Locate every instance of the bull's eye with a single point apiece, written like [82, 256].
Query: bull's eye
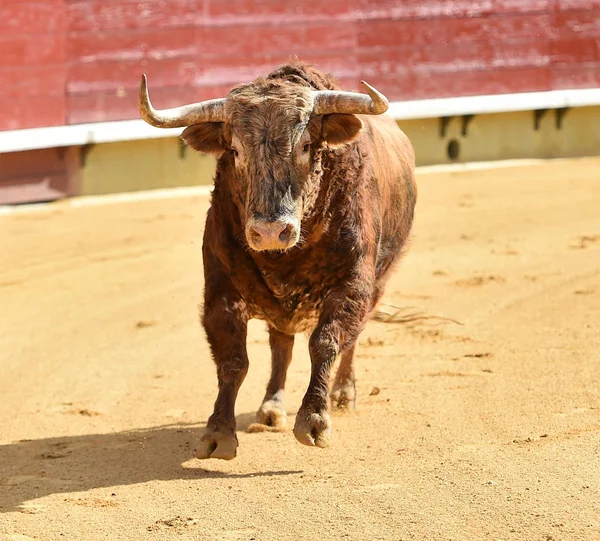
[306, 147]
[235, 152]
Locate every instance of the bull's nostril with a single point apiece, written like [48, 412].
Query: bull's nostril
[255, 236]
[286, 234]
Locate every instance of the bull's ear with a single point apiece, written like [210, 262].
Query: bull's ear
[338, 129]
[206, 137]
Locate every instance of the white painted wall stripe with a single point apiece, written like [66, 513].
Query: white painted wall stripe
[501, 103]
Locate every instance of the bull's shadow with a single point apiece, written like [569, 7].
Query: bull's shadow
[32, 469]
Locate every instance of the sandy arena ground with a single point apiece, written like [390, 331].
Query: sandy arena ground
[485, 430]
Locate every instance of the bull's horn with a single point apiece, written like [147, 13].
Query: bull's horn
[335, 101]
[180, 117]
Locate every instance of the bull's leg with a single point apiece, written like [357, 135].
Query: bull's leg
[272, 411]
[343, 394]
[225, 321]
[342, 320]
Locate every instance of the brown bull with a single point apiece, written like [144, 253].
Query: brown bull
[313, 201]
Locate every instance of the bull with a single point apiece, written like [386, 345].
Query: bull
[313, 202]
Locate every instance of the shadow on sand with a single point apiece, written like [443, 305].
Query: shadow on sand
[31, 469]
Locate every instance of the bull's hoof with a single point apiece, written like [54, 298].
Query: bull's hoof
[313, 429]
[343, 396]
[215, 444]
[272, 413]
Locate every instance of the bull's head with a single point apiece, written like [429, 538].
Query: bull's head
[271, 134]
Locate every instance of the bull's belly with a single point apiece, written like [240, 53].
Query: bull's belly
[303, 319]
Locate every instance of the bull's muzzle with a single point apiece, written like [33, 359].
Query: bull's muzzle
[278, 235]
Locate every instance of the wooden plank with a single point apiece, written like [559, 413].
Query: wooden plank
[55, 4]
[279, 12]
[294, 38]
[22, 50]
[575, 50]
[576, 47]
[577, 22]
[32, 81]
[36, 17]
[24, 112]
[490, 81]
[212, 41]
[241, 40]
[564, 5]
[130, 44]
[423, 84]
[448, 31]
[456, 57]
[432, 9]
[93, 15]
[117, 76]
[234, 70]
[582, 75]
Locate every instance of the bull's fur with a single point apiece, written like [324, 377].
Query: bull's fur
[355, 198]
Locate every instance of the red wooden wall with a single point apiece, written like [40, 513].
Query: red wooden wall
[72, 61]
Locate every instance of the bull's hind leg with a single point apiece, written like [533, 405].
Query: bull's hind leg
[272, 411]
[343, 393]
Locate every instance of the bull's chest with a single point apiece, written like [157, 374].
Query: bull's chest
[300, 290]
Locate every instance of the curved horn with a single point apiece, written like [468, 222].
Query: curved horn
[336, 101]
[180, 117]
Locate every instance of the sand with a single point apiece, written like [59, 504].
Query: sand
[485, 427]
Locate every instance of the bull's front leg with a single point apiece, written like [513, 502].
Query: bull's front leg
[225, 321]
[272, 411]
[342, 320]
